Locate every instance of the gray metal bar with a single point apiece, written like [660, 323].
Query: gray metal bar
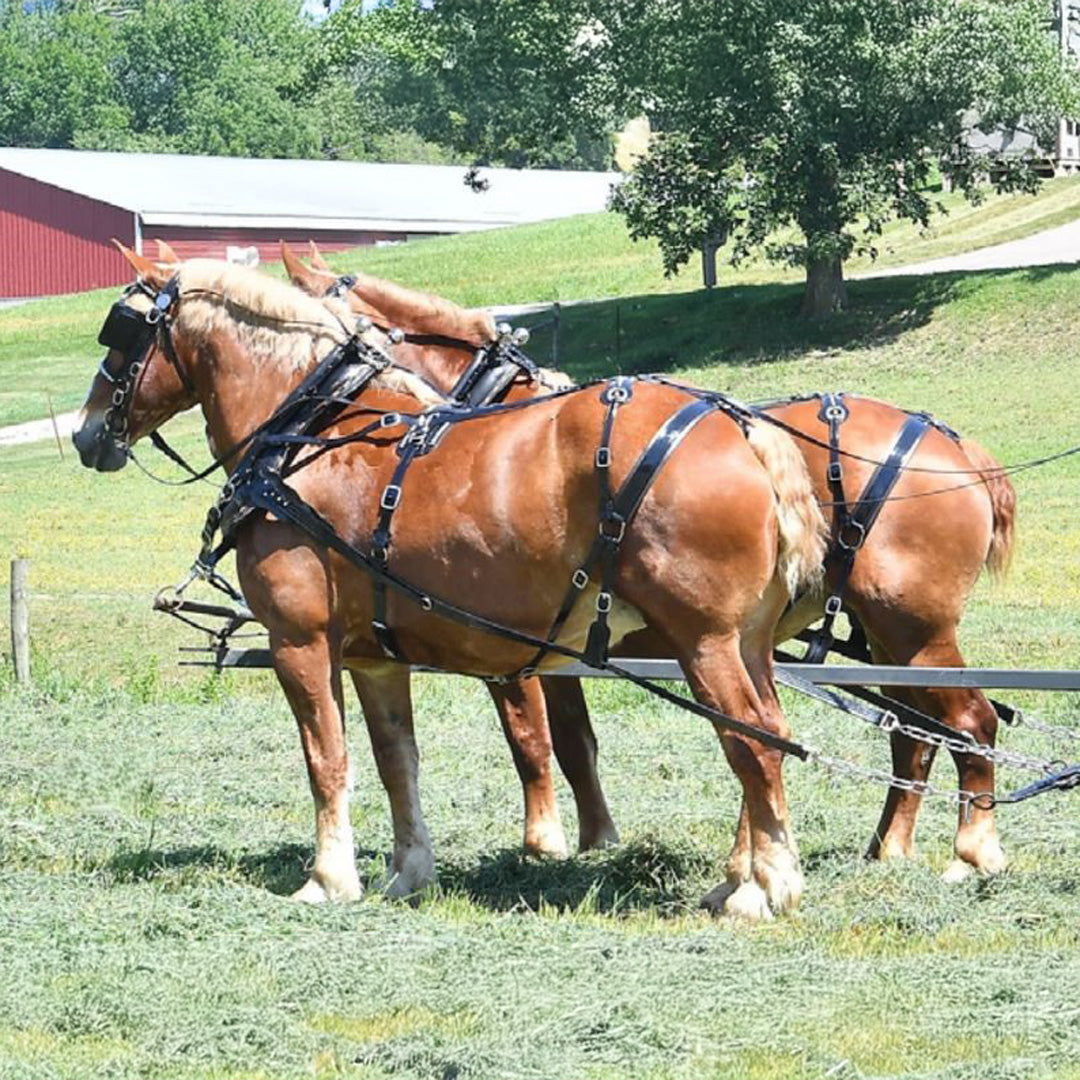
[819, 674]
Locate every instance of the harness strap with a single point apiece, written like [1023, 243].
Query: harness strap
[616, 513]
[612, 525]
[854, 525]
[408, 449]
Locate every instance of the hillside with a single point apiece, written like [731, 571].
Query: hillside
[48, 347]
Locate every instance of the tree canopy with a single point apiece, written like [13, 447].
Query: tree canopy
[811, 120]
[235, 77]
[828, 116]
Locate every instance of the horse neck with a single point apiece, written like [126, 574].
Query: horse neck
[236, 391]
[441, 365]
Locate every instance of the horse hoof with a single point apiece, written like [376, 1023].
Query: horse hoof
[414, 871]
[598, 839]
[957, 871]
[547, 841]
[746, 901]
[313, 892]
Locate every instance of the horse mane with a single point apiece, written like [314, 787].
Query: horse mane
[418, 312]
[278, 325]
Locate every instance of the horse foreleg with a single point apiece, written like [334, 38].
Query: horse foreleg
[525, 724]
[575, 748]
[774, 882]
[312, 684]
[387, 703]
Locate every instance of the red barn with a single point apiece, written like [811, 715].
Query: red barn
[59, 209]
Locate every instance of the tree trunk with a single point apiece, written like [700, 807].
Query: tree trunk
[825, 291]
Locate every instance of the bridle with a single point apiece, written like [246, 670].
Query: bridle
[133, 333]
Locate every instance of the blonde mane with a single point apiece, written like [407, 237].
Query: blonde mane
[276, 324]
[418, 312]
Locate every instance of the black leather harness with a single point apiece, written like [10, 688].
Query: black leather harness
[259, 485]
[852, 522]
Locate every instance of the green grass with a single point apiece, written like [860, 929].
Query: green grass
[152, 818]
[146, 848]
[48, 348]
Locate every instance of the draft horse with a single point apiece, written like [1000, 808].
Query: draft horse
[950, 513]
[496, 520]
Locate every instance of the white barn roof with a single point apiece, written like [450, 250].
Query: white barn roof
[174, 189]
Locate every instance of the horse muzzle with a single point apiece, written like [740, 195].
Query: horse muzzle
[97, 447]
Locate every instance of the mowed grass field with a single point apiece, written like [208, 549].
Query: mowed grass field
[152, 819]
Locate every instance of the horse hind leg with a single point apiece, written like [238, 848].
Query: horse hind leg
[976, 844]
[387, 703]
[523, 714]
[312, 684]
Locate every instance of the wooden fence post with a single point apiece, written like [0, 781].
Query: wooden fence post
[20, 620]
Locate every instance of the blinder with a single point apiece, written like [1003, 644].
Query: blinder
[131, 333]
[124, 327]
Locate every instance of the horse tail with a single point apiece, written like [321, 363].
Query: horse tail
[1002, 500]
[802, 525]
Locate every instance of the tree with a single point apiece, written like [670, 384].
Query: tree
[826, 116]
[518, 86]
[56, 76]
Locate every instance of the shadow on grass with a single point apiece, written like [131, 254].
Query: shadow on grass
[281, 870]
[744, 324]
[644, 875]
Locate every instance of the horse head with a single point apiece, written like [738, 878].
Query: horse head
[140, 382]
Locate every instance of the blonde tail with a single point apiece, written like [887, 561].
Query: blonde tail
[1002, 500]
[802, 525]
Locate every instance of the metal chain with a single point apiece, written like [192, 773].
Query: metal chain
[1053, 731]
[963, 746]
[843, 767]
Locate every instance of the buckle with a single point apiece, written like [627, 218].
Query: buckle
[859, 530]
[580, 579]
[390, 419]
[616, 394]
[426, 604]
[391, 496]
[834, 605]
[603, 602]
[836, 412]
[613, 537]
[603, 457]
[836, 472]
[378, 553]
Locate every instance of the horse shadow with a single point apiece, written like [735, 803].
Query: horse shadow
[280, 870]
[647, 874]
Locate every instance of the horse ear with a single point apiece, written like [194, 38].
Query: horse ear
[311, 281]
[165, 253]
[145, 268]
[315, 255]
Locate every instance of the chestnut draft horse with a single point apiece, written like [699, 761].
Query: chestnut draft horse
[907, 588]
[495, 520]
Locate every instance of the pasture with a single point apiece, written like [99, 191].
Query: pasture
[152, 817]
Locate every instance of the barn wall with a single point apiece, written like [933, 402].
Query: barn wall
[192, 242]
[53, 241]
